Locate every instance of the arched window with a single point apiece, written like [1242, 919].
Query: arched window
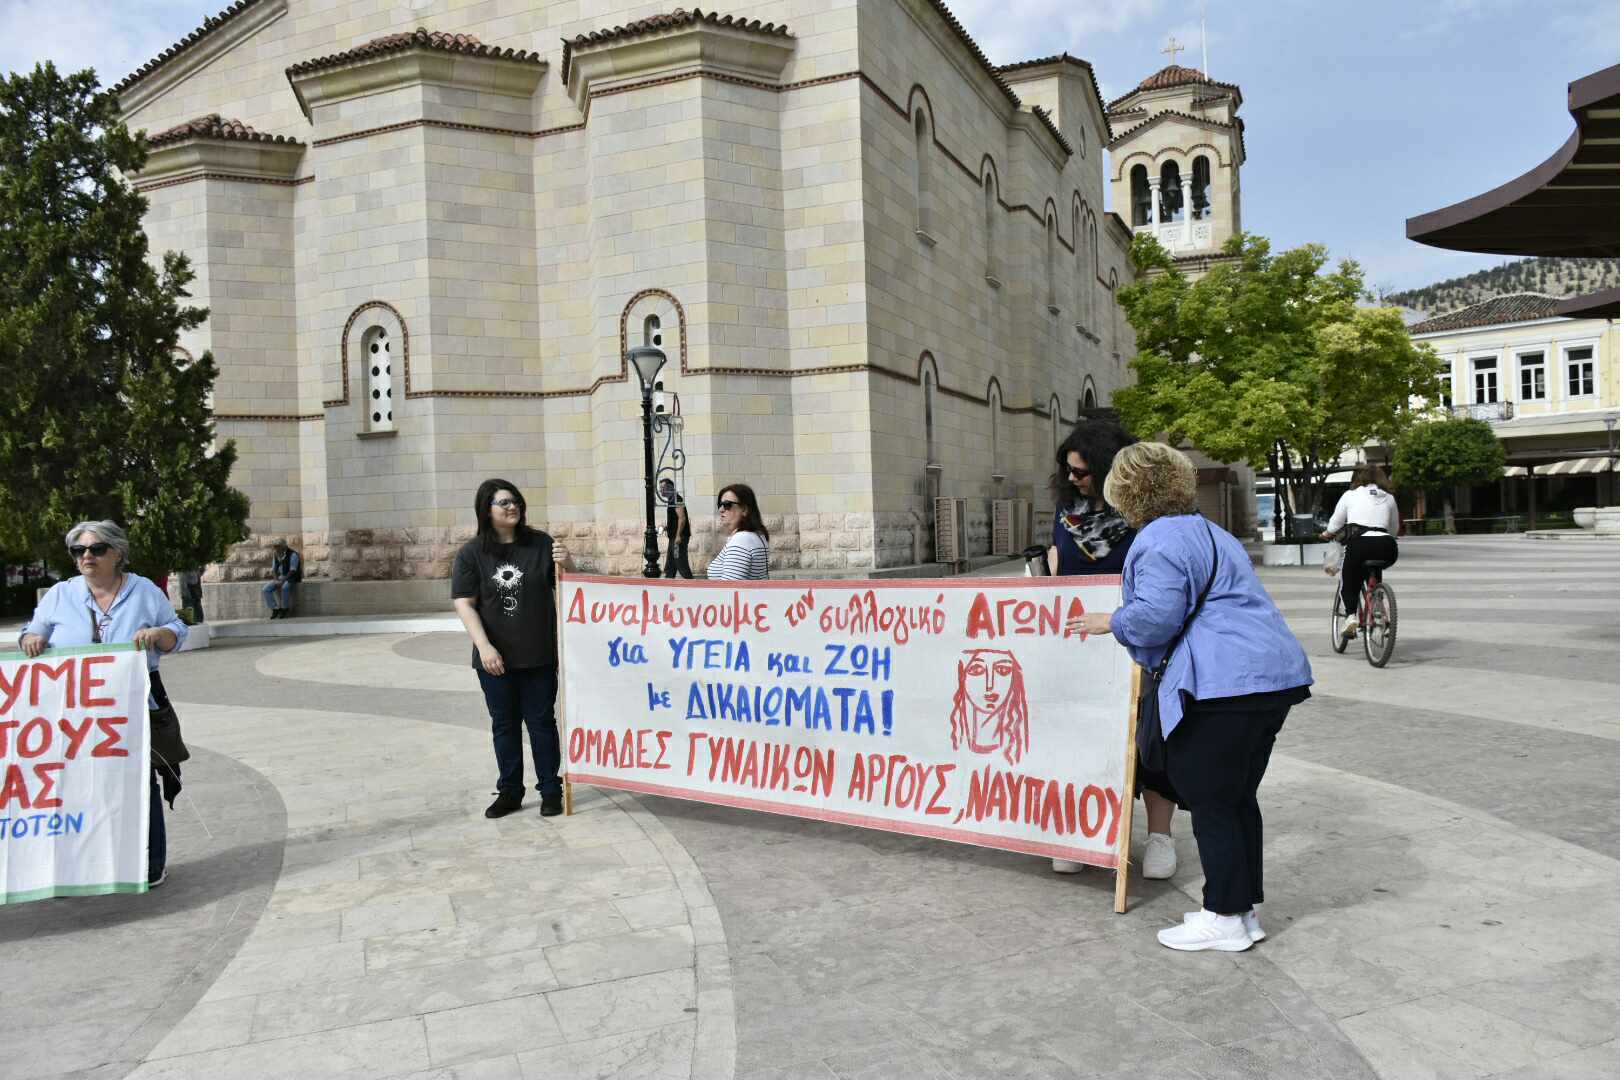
[1088, 400]
[1095, 271]
[1141, 197]
[928, 415]
[1051, 263]
[1081, 316]
[378, 351]
[996, 472]
[652, 331]
[1055, 408]
[1170, 208]
[1200, 188]
[921, 172]
[992, 232]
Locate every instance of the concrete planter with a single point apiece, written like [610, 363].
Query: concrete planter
[1585, 517]
[200, 637]
[1293, 554]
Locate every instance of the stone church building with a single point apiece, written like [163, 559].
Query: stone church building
[428, 231]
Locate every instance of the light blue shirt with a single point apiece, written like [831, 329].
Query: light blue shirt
[64, 616]
[1238, 644]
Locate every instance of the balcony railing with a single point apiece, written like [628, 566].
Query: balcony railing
[1490, 410]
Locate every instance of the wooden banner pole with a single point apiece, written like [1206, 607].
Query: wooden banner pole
[562, 703]
[1127, 798]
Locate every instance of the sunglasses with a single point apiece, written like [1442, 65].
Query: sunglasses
[1079, 474]
[727, 504]
[505, 504]
[98, 550]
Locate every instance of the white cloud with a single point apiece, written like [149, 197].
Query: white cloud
[1013, 30]
[112, 36]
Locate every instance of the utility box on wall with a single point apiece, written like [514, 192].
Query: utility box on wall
[1009, 526]
[950, 530]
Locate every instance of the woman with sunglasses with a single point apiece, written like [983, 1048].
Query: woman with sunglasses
[108, 604]
[1090, 537]
[503, 587]
[747, 554]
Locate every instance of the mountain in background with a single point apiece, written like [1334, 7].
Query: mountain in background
[1553, 277]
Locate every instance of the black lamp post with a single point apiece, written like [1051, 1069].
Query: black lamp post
[648, 361]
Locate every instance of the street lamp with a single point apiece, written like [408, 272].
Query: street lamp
[648, 361]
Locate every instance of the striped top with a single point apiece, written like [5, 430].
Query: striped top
[744, 558]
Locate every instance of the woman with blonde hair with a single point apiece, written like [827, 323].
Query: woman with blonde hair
[1231, 670]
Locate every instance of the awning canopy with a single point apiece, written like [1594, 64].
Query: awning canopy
[1569, 205]
[1588, 466]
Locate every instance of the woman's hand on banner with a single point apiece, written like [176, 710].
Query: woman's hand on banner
[1092, 622]
[490, 657]
[157, 638]
[33, 645]
[562, 557]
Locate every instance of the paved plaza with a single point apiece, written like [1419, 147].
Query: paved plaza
[1443, 883]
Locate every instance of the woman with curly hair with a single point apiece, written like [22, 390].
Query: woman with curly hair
[1235, 671]
[1091, 537]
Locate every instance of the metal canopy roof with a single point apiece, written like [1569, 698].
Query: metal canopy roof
[1569, 205]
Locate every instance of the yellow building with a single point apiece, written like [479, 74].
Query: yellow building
[1548, 386]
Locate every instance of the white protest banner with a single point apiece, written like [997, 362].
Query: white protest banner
[960, 709]
[74, 772]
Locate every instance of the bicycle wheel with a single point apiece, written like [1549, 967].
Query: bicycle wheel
[1378, 633]
[1340, 642]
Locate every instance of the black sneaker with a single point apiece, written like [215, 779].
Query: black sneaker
[162, 876]
[550, 805]
[504, 804]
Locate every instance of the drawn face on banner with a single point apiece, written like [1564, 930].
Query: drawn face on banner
[990, 712]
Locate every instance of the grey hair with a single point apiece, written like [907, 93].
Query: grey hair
[109, 531]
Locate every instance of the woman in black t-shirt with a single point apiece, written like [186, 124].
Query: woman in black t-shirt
[504, 585]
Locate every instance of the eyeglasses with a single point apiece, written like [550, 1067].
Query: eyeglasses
[505, 504]
[727, 504]
[98, 550]
[1079, 474]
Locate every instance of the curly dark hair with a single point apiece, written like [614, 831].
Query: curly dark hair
[1096, 441]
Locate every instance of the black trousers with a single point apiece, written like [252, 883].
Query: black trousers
[675, 559]
[1216, 757]
[1380, 547]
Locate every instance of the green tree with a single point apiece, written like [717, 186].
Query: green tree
[102, 417]
[1446, 453]
[1269, 361]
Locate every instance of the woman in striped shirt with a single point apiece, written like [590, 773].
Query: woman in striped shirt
[747, 554]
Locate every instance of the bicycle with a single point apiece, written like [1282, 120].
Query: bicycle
[1375, 615]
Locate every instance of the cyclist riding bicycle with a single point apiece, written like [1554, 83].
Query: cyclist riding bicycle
[1369, 521]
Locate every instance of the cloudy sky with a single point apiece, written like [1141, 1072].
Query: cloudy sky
[1360, 113]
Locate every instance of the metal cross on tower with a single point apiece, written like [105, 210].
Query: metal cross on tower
[1173, 48]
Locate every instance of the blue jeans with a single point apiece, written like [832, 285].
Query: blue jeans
[519, 699]
[285, 591]
[157, 837]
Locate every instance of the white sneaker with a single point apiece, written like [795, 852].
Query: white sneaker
[1159, 857]
[1064, 866]
[1251, 925]
[1351, 625]
[1202, 930]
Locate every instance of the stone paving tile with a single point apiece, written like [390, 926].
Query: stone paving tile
[663, 1053]
[387, 917]
[469, 940]
[620, 956]
[505, 1067]
[609, 1008]
[497, 1027]
[1593, 1063]
[366, 1052]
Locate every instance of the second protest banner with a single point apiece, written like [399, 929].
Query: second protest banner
[964, 710]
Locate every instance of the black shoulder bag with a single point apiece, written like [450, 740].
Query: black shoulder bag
[168, 750]
[1149, 729]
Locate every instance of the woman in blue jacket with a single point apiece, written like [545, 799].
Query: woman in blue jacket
[1227, 690]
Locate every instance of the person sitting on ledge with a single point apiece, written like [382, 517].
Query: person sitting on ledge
[286, 570]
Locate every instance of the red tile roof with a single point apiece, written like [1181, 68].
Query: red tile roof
[1514, 307]
[209, 25]
[420, 38]
[1046, 118]
[1175, 75]
[213, 126]
[674, 20]
[973, 47]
